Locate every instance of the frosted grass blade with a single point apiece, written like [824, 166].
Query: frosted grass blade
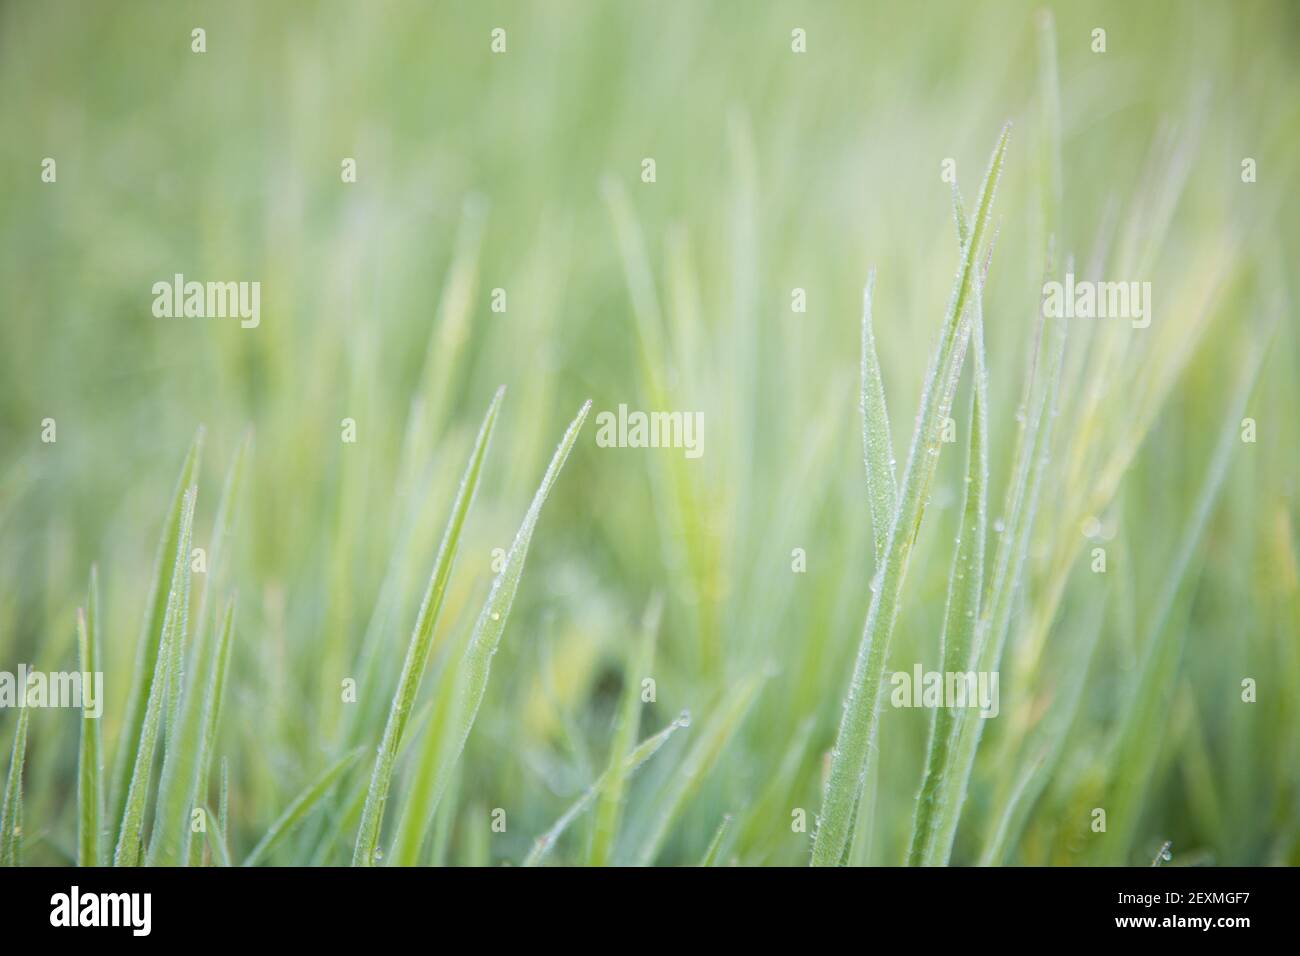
[128, 744]
[449, 730]
[861, 711]
[417, 651]
[128, 848]
[877, 445]
[11, 811]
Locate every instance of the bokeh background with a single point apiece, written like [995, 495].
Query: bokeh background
[774, 171]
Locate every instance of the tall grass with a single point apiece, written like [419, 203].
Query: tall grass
[362, 671]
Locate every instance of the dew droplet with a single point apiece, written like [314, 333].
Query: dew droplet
[684, 719]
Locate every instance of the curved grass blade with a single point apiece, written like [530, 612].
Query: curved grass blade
[1029, 464]
[217, 837]
[11, 812]
[90, 758]
[699, 760]
[609, 808]
[630, 763]
[455, 715]
[877, 445]
[965, 578]
[223, 807]
[129, 834]
[228, 511]
[216, 693]
[417, 652]
[710, 857]
[160, 589]
[302, 805]
[178, 786]
[861, 710]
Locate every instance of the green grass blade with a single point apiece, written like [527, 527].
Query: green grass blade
[995, 612]
[417, 652]
[877, 445]
[217, 837]
[710, 857]
[630, 763]
[302, 805]
[609, 808]
[128, 848]
[450, 729]
[1049, 142]
[965, 577]
[699, 760]
[216, 692]
[858, 852]
[965, 583]
[178, 787]
[228, 510]
[90, 759]
[223, 807]
[128, 744]
[11, 811]
[861, 711]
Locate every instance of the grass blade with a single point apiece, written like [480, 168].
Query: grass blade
[302, 805]
[128, 745]
[217, 837]
[11, 811]
[610, 807]
[223, 807]
[451, 726]
[90, 758]
[699, 760]
[877, 445]
[417, 652]
[216, 692]
[228, 511]
[995, 612]
[861, 711]
[965, 577]
[630, 763]
[710, 857]
[129, 833]
[179, 784]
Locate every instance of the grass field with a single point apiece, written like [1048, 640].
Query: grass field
[294, 543]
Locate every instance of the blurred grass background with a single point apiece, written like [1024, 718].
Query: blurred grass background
[775, 170]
